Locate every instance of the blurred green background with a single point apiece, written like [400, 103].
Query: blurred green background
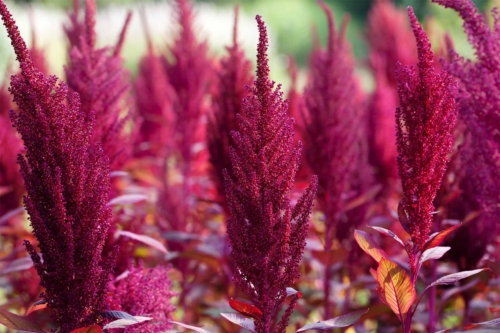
[290, 23]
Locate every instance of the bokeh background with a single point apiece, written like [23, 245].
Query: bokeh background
[291, 22]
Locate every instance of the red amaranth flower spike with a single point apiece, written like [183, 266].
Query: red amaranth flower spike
[387, 33]
[189, 74]
[267, 235]
[154, 100]
[11, 182]
[146, 292]
[479, 100]
[98, 76]
[233, 76]
[425, 120]
[334, 126]
[67, 184]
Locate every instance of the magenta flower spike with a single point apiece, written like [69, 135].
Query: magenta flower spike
[333, 135]
[189, 74]
[11, 182]
[267, 235]
[332, 121]
[67, 184]
[146, 292]
[233, 76]
[155, 98]
[479, 100]
[387, 34]
[424, 123]
[98, 76]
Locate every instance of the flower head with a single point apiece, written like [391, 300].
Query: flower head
[424, 123]
[479, 100]
[233, 76]
[146, 292]
[155, 100]
[98, 76]
[11, 183]
[189, 74]
[333, 123]
[67, 186]
[388, 33]
[267, 235]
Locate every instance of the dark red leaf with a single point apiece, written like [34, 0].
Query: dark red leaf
[245, 309]
[88, 329]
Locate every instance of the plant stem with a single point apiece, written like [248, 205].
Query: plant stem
[327, 278]
[432, 299]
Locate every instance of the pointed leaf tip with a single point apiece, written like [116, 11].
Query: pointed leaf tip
[434, 253]
[452, 278]
[240, 321]
[291, 291]
[127, 199]
[388, 233]
[113, 314]
[337, 322]
[367, 244]
[437, 238]
[38, 305]
[193, 328]
[143, 239]
[123, 323]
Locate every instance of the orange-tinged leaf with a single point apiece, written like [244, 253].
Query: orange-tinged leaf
[245, 309]
[88, 329]
[42, 304]
[363, 198]
[367, 244]
[471, 216]
[396, 289]
[437, 238]
[330, 257]
[19, 323]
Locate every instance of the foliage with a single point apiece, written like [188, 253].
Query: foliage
[164, 238]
